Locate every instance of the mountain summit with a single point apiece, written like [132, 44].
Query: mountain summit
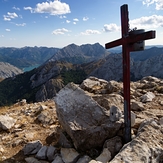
[80, 54]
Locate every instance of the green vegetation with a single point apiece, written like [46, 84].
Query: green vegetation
[19, 87]
[75, 60]
[12, 89]
[76, 76]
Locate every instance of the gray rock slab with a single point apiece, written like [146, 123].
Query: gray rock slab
[83, 118]
[51, 151]
[32, 147]
[42, 153]
[58, 159]
[84, 159]
[69, 155]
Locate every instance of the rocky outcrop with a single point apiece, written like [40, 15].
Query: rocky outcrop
[7, 70]
[50, 70]
[146, 147]
[49, 89]
[84, 119]
[37, 136]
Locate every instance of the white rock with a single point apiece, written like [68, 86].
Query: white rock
[115, 113]
[93, 161]
[145, 147]
[105, 156]
[148, 97]
[6, 122]
[133, 117]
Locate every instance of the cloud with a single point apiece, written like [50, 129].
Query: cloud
[28, 8]
[85, 18]
[8, 30]
[147, 22]
[55, 7]
[111, 27]
[2, 36]
[76, 20]
[16, 8]
[60, 31]
[90, 32]
[63, 17]
[158, 3]
[10, 16]
[67, 21]
[22, 25]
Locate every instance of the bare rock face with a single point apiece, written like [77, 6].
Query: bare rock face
[7, 70]
[86, 122]
[146, 147]
[49, 89]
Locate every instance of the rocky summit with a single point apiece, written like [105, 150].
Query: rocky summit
[85, 124]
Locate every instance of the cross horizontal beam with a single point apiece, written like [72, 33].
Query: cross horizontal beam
[140, 37]
[131, 39]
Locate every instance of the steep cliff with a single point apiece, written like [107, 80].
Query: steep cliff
[7, 70]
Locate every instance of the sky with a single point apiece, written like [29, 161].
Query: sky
[58, 23]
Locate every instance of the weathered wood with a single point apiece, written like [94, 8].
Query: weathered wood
[127, 42]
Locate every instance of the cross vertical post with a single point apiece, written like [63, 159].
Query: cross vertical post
[129, 43]
[126, 72]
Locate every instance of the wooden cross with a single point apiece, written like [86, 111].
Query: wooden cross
[127, 41]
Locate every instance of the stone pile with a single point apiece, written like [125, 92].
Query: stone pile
[85, 125]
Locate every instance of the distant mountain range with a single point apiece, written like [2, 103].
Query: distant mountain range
[119, 48]
[27, 56]
[80, 54]
[45, 81]
[34, 56]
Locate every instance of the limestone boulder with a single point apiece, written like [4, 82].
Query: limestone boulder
[83, 118]
[109, 100]
[105, 156]
[93, 84]
[69, 155]
[146, 147]
[6, 122]
[114, 86]
[148, 97]
[137, 106]
[113, 145]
